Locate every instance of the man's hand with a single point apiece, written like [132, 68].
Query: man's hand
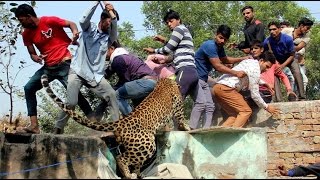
[282, 170]
[240, 74]
[272, 110]
[232, 46]
[160, 38]
[38, 59]
[270, 88]
[75, 38]
[279, 68]
[149, 50]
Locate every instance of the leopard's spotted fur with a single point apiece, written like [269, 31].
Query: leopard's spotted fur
[137, 131]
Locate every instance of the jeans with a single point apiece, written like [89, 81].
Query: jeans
[136, 89]
[59, 72]
[203, 103]
[187, 78]
[295, 70]
[103, 89]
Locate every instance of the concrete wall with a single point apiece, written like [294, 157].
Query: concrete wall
[217, 153]
[28, 157]
[293, 135]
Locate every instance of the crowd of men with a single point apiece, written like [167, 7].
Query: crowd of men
[266, 60]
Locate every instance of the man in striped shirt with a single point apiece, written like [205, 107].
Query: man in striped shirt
[181, 46]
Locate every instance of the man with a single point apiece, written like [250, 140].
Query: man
[88, 65]
[181, 46]
[268, 77]
[253, 29]
[301, 170]
[136, 79]
[283, 48]
[284, 24]
[48, 35]
[227, 90]
[211, 55]
[301, 38]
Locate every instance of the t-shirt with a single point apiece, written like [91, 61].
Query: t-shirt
[50, 39]
[207, 50]
[305, 38]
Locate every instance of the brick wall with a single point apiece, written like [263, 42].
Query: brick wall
[293, 135]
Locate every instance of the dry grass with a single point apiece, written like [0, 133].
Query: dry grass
[18, 121]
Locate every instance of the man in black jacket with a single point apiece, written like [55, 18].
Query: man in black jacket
[253, 29]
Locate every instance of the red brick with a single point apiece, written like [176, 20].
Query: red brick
[276, 161]
[316, 147]
[310, 133]
[316, 127]
[309, 160]
[272, 166]
[286, 155]
[304, 127]
[317, 159]
[311, 121]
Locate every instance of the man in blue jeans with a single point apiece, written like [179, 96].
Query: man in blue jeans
[136, 79]
[48, 35]
[88, 65]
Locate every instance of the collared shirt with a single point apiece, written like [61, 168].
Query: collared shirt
[250, 82]
[282, 48]
[89, 60]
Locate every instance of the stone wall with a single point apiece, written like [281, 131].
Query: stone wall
[293, 135]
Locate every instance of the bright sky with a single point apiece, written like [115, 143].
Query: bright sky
[72, 10]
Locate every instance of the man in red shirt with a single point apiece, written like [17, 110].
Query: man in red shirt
[48, 36]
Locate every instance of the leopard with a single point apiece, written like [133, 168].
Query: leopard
[136, 132]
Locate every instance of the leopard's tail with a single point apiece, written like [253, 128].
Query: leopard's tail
[110, 126]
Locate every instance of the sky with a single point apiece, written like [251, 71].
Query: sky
[72, 10]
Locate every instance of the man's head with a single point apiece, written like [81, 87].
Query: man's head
[284, 24]
[247, 13]
[267, 59]
[256, 48]
[111, 47]
[274, 29]
[26, 16]
[105, 21]
[305, 25]
[222, 35]
[172, 19]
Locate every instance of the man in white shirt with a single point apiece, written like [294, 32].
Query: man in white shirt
[227, 90]
[301, 37]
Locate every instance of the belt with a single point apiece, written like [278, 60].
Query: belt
[150, 77]
[57, 65]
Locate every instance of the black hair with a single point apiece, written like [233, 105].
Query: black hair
[247, 7]
[104, 15]
[257, 43]
[286, 23]
[224, 30]
[115, 44]
[24, 10]
[276, 23]
[306, 22]
[171, 14]
[268, 56]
